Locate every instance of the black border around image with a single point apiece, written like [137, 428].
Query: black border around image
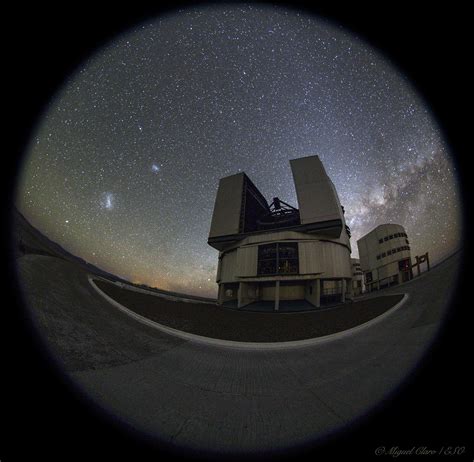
[46, 421]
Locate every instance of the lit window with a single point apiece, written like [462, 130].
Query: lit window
[279, 258]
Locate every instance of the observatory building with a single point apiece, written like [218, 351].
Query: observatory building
[385, 257]
[358, 286]
[276, 252]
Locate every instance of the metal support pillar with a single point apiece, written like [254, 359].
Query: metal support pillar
[239, 295]
[318, 293]
[277, 295]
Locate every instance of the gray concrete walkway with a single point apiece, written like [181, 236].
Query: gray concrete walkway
[227, 399]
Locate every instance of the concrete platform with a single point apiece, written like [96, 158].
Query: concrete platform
[221, 399]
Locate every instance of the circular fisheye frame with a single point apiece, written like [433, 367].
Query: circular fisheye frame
[237, 229]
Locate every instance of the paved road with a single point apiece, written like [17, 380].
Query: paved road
[219, 398]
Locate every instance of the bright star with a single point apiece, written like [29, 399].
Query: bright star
[155, 168]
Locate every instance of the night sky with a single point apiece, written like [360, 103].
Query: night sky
[124, 166]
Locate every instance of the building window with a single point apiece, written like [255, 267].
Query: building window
[404, 265]
[279, 258]
[391, 236]
[267, 259]
[368, 277]
[385, 238]
[380, 241]
[384, 255]
[407, 241]
[378, 257]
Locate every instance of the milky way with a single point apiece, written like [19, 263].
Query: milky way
[124, 167]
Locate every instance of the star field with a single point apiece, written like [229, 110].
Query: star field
[124, 167]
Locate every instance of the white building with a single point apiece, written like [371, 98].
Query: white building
[385, 256]
[358, 286]
[278, 252]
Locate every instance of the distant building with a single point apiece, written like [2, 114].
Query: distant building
[276, 252]
[358, 286]
[385, 256]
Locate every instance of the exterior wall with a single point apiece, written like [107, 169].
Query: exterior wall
[226, 214]
[368, 246]
[277, 236]
[312, 292]
[274, 236]
[292, 292]
[267, 291]
[380, 254]
[358, 286]
[246, 264]
[228, 267]
[287, 292]
[325, 258]
[248, 293]
[311, 181]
